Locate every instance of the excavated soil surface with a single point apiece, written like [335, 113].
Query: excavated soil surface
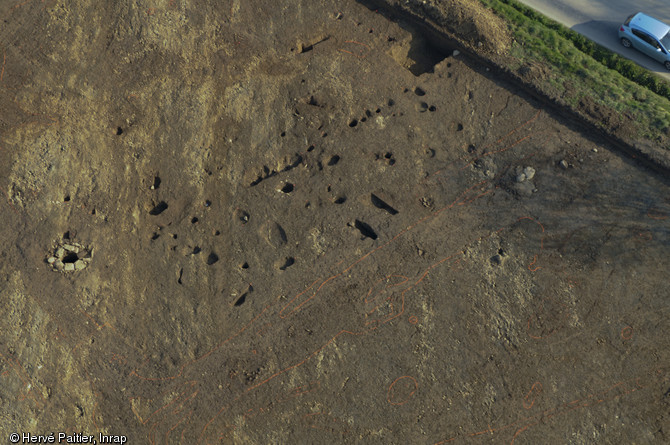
[295, 222]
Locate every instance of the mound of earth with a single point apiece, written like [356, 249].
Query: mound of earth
[475, 25]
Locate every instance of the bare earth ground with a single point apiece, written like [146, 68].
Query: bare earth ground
[295, 239]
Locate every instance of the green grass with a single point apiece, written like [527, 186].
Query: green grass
[578, 67]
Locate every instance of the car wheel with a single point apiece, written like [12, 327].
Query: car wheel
[625, 42]
[667, 65]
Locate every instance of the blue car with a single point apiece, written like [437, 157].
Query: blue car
[648, 35]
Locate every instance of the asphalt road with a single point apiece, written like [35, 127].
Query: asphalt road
[599, 20]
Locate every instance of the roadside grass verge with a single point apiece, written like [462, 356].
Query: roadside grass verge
[576, 70]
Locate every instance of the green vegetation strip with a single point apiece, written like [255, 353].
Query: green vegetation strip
[580, 67]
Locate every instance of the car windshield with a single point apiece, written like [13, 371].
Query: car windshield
[630, 17]
[666, 40]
